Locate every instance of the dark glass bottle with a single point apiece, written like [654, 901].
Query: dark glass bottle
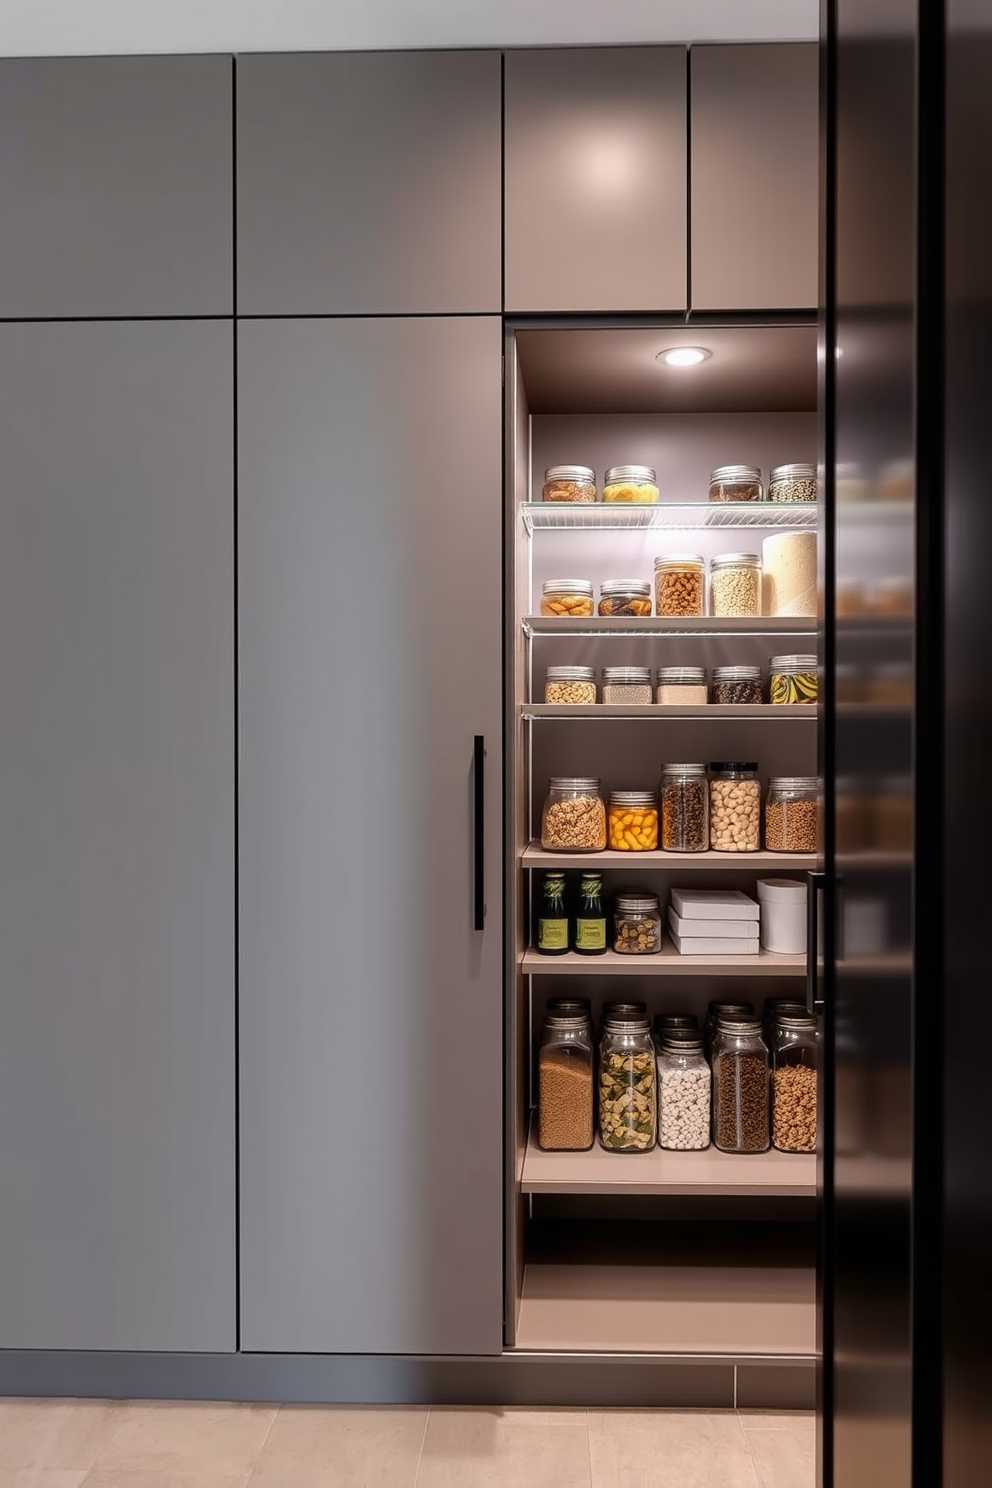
[552, 917]
[590, 917]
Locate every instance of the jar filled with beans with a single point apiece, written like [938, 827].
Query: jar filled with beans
[627, 1090]
[679, 585]
[572, 685]
[735, 584]
[739, 685]
[792, 483]
[685, 686]
[794, 1082]
[792, 679]
[574, 817]
[683, 1092]
[792, 814]
[635, 485]
[735, 483]
[633, 821]
[627, 685]
[684, 808]
[565, 1079]
[735, 807]
[561, 597]
[740, 1086]
[572, 483]
[637, 924]
[625, 597]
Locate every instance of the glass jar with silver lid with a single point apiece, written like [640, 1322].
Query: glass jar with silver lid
[792, 483]
[631, 484]
[625, 597]
[685, 686]
[630, 685]
[636, 923]
[792, 679]
[736, 483]
[563, 597]
[737, 684]
[735, 585]
[570, 483]
[792, 814]
[573, 686]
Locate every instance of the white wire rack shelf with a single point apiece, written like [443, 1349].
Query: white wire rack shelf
[540, 516]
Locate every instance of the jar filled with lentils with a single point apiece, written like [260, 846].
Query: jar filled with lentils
[794, 1082]
[682, 686]
[565, 1066]
[563, 597]
[627, 1091]
[737, 684]
[574, 817]
[735, 584]
[570, 685]
[628, 685]
[792, 483]
[740, 1085]
[792, 814]
[679, 585]
[684, 808]
[625, 597]
[570, 483]
[736, 483]
[735, 807]
[636, 924]
[635, 485]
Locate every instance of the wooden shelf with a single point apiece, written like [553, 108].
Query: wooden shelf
[667, 962]
[761, 1174]
[665, 712]
[664, 625]
[534, 856]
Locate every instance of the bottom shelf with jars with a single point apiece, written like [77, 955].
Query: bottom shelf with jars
[768, 1174]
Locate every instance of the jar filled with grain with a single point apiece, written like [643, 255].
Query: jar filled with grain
[792, 814]
[685, 823]
[625, 597]
[736, 483]
[735, 806]
[679, 585]
[570, 685]
[794, 1082]
[792, 483]
[574, 816]
[682, 687]
[683, 1092]
[740, 1086]
[627, 685]
[571, 483]
[735, 585]
[565, 1079]
[633, 485]
[636, 924]
[633, 821]
[627, 1090]
[792, 679]
[715, 1011]
[738, 685]
[562, 597]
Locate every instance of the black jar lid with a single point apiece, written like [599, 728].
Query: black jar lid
[733, 764]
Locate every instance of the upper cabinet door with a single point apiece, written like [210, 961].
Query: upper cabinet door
[596, 180]
[755, 177]
[115, 187]
[369, 183]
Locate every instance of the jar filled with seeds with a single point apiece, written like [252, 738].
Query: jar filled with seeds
[794, 1082]
[792, 814]
[635, 485]
[565, 1079]
[629, 685]
[682, 686]
[683, 1092]
[685, 823]
[636, 924]
[562, 597]
[740, 1086]
[625, 597]
[633, 821]
[717, 1010]
[627, 1090]
[740, 685]
[792, 679]
[572, 483]
[735, 585]
[792, 483]
[736, 483]
[679, 585]
[574, 817]
[570, 685]
[735, 807]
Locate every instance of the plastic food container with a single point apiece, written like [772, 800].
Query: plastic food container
[570, 483]
[635, 485]
[630, 685]
[633, 821]
[561, 597]
[792, 679]
[625, 597]
[792, 814]
[736, 483]
[783, 915]
[679, 585]
[737, 684]
[637, 924]
[792, 483]
[682, 685]
[573, 685]
[735, 584]
[574, 817]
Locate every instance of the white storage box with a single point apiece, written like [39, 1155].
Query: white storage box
[700, 946]
[713, 904]
[712, 929]
[783, 915]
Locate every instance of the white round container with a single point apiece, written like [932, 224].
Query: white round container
[783, 915]
[788, 564]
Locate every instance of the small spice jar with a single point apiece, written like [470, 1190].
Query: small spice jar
[735, 584]
[679, 585]
[635, 485]
[637, 924]
[715, 1011]
[574, 817]
[740, 1086]
[574, 483]
[794, 1082]
[633, 821]
[735, 807]
[562, 597]
[792, 679]
[792, 814]
[627, 1090]
[684, 808]
[565, 1084]
[629, 685]
[792, 483]
[735, 483]
[625, 597]
[682, 686]
[740, 685]
[683, 1092]
[570, 685]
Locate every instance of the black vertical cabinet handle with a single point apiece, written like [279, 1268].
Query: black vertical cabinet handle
[479, 875]
[815, 884]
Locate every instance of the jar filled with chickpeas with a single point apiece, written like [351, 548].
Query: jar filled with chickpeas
[625, 597]
[794, 1082]
[634, 485]
[570, 685]
[679, 584]
[735, 806]
[572, 483]
[633, 821]
[735, 584]
[563, 597]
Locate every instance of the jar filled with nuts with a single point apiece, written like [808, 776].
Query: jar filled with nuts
[685, 686]
[792, 483]
[575, 483]
[684, 808]
[679, 585]
[629, 685]
[625, 597]
[792, 679]
[792, 814]
[735, 584]
[735, 483]
[571, 685]
[637, 924]
[794, 1082]
[565, 1080]
[561, 597]
[683, 1092]
[735, 807]
[574, 817]
[633, 821]
[739, 685]
[635, 485]
[627, 1081]
[740, 1086]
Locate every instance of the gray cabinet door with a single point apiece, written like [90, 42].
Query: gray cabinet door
[371, 1008]
[596, 179]
[116, 184]
[117, 1047]
[369, 183]
[755, 177]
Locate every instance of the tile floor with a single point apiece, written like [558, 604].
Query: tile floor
[100, 1444]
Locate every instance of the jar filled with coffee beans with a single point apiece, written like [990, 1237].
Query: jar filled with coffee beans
[792, 814]
[679, 585]
[740, 1086]
[684, 808]
[739, 685]
[794, 1082]
[636, 924]
[735, 806]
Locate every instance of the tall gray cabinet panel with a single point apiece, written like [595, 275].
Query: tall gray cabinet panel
[596, 179]
[115, 186]
[755, 177]
[369, 183]
[371, 1008]
[117, 1130]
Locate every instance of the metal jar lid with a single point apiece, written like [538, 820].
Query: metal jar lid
[568, 586]
[625, 586]
[682, 676]
[574, 782]
[570, 674]
[735, 560]
[581, 473]
[570, 1005]
[567, 1020]
[716, 1007]
[632, 675]
[680, 560]
[799, 663]
[733, 764]
[634, 902]
[735, 475]
[675, 1020]
[681, 1041]
[794, 782]
[683, 769]
[633, 798]
[738, 1024]
[620, 1008]
[795, 1020]
[791, 472]
[737, 674]
[620, 473]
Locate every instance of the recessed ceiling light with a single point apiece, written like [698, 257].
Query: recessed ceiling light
[684, 356]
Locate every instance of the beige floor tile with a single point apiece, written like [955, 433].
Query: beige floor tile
[338, 1447]
[41, 1477]
[212, 1441]
[669, 1449]
[126, 1477]
[63, 1434]
[784, 1459]
[505, 1449]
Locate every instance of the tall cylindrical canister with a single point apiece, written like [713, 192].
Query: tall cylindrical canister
[788, 566]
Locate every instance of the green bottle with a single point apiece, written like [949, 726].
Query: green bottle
[590, 917]
[552, 919]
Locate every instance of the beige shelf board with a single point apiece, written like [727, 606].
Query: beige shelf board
[668, 962]
[534, 856]
[664, 625]
[761, 1174]
[665, 712]
[727, 1310]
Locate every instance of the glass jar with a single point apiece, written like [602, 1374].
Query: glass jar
[717, 1010]
[682, 686]
[635, 485]
[683, 1094]
[740, 685]
[735, 807]
[552, 916]
[571, 686]
[627, 1093]
[792, 483]
[773, 1008]
[562, 597]
[685, 823]
[565, 1081]
[627, 685]
[792, 814]
[792, 679]
[636, 924]
[672, 1023]
[735, 585]
[740, 1086]
[574, 817]
[679, 585]
[625, 597]
[590, 917]
[633, 821]
[794, 1083]
[735, 483]
[574, 483]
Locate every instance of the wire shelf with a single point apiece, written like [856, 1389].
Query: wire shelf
[657, 625]
[540, 516]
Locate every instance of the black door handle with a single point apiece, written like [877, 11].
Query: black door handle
[479, 833]
[815, 884]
